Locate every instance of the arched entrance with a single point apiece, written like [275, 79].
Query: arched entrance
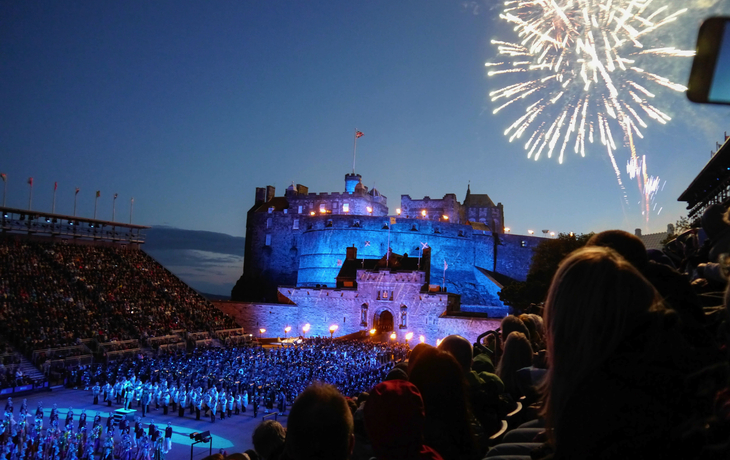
[383, 321]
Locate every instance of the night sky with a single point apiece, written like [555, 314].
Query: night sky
[188, 106]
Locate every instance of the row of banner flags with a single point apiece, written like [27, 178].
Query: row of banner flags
[4, 177]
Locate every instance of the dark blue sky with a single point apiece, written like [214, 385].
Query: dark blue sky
[188, 106]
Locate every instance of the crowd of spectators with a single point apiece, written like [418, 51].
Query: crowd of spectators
[53, 294]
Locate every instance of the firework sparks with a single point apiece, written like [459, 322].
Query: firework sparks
[578, 59]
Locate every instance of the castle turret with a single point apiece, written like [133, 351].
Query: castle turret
[351, 181]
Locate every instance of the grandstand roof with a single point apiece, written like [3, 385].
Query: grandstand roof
[710, 185]
[24, 221]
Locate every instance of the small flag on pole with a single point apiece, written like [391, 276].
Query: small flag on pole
[4, 176]
[30, 181]
[359, 134]
[77, 191]
[98, 193]
[115, 195]
[55, 186]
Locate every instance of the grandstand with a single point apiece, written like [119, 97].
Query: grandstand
[75, 289]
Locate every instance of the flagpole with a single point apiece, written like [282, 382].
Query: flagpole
[30, 197]
[387, 257]
[443, 279]
[53, 208]
[5, 186]
[76, 195]
[131, 209]
[114, 207]
[96, 200]
[354, 151]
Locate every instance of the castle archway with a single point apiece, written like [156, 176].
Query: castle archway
[383, 321]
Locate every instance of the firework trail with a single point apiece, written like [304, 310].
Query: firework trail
[577, 63]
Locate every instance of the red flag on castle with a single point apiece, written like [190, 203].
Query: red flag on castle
[55, 186]
[30, 181]
[359, 134]
[4, 176]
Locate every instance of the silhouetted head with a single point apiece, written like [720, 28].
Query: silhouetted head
[460, 348]
[320, 425]
[629, 246]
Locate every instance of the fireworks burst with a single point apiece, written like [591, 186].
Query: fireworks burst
[578, 58]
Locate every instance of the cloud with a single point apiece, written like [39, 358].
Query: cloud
[209, 262]
[170, 238]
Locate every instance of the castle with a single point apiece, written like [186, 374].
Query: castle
[343, 258]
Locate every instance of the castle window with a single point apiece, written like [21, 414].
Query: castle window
[346, 207]
[364, 315]
[299, 209]
[268, 222]
[385, 295]
[322, 208]
[268, 240]
[295, 225]
[403, 317]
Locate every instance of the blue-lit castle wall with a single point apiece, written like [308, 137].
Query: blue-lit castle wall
[286, 247]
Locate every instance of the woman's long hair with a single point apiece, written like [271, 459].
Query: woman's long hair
[517, 354]
[440, 380]
[593, 302]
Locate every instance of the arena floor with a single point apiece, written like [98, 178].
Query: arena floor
[232, 434]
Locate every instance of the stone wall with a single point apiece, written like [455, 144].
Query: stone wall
[470, 328]
[324, 311]
[435, 209]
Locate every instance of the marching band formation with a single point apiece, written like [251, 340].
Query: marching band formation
[215, 383]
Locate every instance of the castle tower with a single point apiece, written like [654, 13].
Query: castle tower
[351, 181]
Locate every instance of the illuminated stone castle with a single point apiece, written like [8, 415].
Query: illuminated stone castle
[327, 253]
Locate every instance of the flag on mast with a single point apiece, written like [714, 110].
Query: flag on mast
[30, 181]
[98, 193]
[4, 176]
[359, 134]
[55, 186]
[77, 191]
